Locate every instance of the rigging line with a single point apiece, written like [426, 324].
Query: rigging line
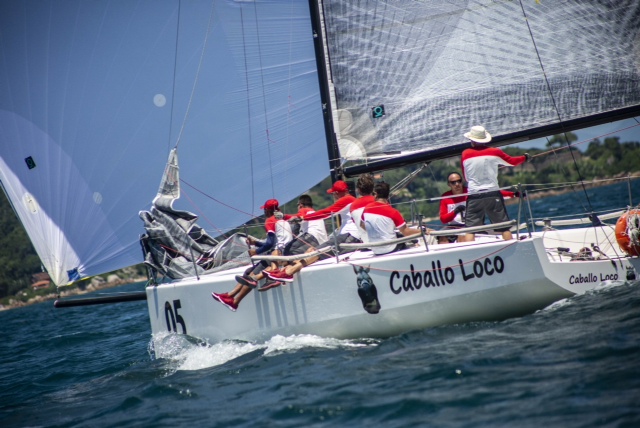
[406, 180]
[553, 100]
[565, 172]
[433, 175]
[216, 200]
[195, 80]
[577, 143]
[246, 80]
[203, 215]
[175, 71]
[264, 96]
[290, 102]
[441, 268]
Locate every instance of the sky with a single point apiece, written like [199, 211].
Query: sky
[627, 130]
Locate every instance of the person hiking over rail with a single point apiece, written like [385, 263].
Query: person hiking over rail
[364, 187]
[278, 236]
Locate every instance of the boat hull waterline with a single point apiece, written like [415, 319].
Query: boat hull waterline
[449, 284]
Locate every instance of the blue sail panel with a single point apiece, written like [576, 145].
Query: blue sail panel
[94, 95]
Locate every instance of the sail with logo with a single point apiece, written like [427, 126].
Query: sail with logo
[263, 99]
[411, 77]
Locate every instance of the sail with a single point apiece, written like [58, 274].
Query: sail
[414, 76]
[94, 95]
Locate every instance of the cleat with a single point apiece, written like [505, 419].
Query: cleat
[226, 300]
[269, 284]
[248, 281]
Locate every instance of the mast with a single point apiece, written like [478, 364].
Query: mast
[325, 95]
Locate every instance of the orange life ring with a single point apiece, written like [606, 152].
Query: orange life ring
[628, 232]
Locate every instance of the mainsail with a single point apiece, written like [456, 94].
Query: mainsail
[94, 95]
[410, 77]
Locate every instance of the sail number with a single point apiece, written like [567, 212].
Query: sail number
[173, 318]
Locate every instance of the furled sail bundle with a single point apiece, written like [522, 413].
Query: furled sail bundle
[174, 245]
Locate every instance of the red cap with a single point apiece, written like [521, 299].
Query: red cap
[271, 204]
[338, 186]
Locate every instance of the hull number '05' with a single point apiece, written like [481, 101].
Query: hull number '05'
[173, 318]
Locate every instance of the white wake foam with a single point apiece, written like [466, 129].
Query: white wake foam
[184, 353]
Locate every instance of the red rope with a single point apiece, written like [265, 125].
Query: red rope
[441, 268]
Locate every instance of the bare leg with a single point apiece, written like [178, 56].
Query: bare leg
[299, 264]
[506, 235]
[235, 290]
[244, 290]
[274, 266]
[469, 237]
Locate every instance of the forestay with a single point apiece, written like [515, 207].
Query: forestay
[93, 95]
[415, 75]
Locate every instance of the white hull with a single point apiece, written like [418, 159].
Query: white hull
[489, 280]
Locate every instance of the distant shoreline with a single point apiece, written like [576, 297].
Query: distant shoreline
[532, 194]
[75, 291]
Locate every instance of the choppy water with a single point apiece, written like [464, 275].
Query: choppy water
[573, 364]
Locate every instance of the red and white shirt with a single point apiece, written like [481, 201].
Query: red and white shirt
[356, 210]
[449, 204]
[341, 207]
[480, 167]
[284, 234]
[312, 227]
[281, 229]
[381, 221]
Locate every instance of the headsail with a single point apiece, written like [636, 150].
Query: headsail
[174, 245]
[169, 190]
[415, 75]
[93, 95]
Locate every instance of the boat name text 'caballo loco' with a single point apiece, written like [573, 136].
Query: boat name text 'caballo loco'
[591, 277]
[438, 276]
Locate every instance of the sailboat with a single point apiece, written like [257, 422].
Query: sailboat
[263, 99]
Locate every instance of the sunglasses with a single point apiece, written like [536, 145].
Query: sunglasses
[455, 182]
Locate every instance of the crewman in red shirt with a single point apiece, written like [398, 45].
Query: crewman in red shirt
[381, 220]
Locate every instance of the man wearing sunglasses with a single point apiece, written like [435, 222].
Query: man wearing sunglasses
[452, 207]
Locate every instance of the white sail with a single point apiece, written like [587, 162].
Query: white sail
[94, 95]
[439, 67]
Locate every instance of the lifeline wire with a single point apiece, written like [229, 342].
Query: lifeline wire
[555, 106]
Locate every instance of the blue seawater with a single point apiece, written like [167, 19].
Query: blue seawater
[573, 364]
